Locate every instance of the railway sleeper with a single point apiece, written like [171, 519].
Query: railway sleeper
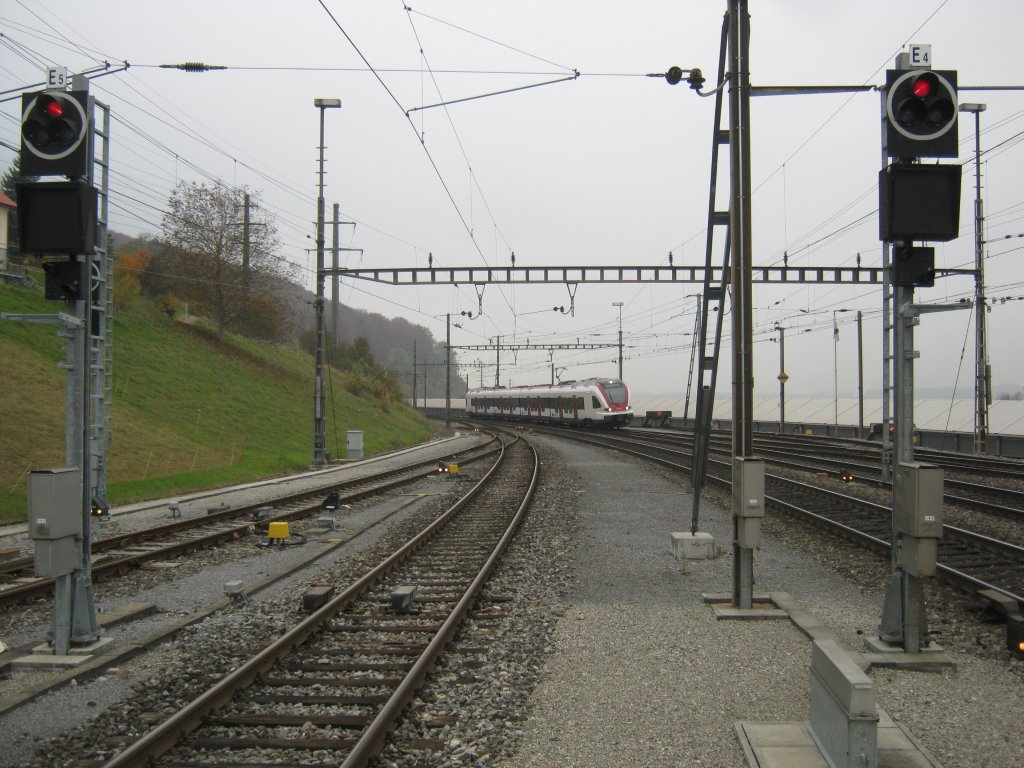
[344, 721]
[347, 681]
[303, 743]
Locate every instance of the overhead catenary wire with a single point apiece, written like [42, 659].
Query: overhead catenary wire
[180, 126]
[164, 167]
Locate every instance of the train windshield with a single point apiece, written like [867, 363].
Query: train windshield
[615, 390]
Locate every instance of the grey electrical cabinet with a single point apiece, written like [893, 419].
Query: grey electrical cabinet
[748, 500]
[748, 487]
[55, 519]
[918, 500]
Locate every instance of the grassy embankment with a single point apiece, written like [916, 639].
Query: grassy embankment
[190, 412]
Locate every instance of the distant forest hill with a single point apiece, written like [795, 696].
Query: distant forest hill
[390, 342]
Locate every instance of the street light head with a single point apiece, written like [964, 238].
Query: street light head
[326, 103]
[617, 304]
[970, 107]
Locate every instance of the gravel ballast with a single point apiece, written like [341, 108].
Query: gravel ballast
[644, 675]
[594, 647]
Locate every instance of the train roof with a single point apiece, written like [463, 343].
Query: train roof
[576, 383]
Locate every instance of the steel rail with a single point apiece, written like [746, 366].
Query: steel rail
[166, 735]
[868, 473]
[126, 539]
[966, 582]
[106, 566]
[372, 739]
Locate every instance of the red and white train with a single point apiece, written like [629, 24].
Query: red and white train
[589, 403]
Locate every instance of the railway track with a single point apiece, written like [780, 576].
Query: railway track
[863, 452]
[818, 457]
[331, 689]
[119, 553]
[969, 560]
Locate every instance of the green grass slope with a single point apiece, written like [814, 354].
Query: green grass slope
[189, 411]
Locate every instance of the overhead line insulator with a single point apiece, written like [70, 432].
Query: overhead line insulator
[193, 66]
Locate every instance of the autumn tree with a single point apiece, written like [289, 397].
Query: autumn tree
[223, 258]
[128, 269]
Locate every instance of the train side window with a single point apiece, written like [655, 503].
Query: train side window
[594, 402]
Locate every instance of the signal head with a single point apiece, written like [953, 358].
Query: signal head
[55, 133]
[921, 113]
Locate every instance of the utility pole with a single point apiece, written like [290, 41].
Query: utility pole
[982, 371]
[497, 361]
[336, 231]
[783, 378]
[319, 399]
[619, 305]
[414, 373]
[245, 239]
[860, 374]
[748, 472]
[448, 370]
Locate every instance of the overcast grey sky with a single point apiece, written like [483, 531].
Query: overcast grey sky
[611, 167]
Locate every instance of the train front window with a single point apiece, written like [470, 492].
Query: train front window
[615, 390]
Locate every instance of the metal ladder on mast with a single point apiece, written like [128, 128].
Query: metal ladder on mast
[101, 323]
[713, 303]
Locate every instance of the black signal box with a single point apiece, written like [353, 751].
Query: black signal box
[57, 217]
[919, 202]
[913, 266]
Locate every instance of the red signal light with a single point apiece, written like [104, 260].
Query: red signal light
[53, 108]
[922, 87]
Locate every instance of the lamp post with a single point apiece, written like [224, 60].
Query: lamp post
[982, 395]
[319, 402]
[619, 305]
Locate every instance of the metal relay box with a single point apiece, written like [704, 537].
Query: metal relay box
[55, 520]
[748, 487]
[54, 504]
[917, 508]
[748, 500]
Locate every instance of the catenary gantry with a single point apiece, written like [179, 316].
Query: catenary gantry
[606, 274]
